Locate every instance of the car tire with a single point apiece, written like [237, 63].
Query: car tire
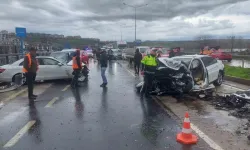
[219, 80]
[23, 78]
[229, 60]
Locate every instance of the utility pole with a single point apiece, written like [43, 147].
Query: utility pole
[135, 7]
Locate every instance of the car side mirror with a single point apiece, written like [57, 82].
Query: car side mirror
[59, 64]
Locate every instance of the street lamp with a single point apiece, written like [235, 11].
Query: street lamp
[135, 7]
[122, 26]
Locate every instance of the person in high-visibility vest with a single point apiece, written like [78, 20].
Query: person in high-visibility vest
[30, 68]
[149, 67]
[77, 67]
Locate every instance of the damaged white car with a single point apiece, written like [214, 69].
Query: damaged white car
[183, 74]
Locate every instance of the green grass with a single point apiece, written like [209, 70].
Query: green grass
[238, 72]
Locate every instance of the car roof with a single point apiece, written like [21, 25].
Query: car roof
[142, 46]
[68, 50]
[45, 57]
[191, 56]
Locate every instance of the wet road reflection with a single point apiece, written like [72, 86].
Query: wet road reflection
[92, 117]
[104, 104]
[150, 123]
[35, 131]
[79, 107]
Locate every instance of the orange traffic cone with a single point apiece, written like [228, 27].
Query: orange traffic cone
[186, 136]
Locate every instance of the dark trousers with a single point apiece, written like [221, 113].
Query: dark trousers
[30, 78]
[148, 79]
[75, 78]
[137, 68]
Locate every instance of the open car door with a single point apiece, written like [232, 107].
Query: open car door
[199, 73]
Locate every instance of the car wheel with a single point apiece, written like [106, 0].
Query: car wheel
[219, 80]
[229, 60]
[16, 76]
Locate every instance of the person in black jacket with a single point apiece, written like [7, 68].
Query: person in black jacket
[137, 61]
[171, 53]
[98, 54]
[30, 68]
[104, 65]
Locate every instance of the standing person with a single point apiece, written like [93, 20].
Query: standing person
[110, 54]
[171, 53]
[137, 61]
[30, 67]
[98, 53]
[178, 51]
[104, 65]
[149, 66]
[77, 67]
[159, 53]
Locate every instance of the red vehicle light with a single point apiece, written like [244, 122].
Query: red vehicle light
[2, 70]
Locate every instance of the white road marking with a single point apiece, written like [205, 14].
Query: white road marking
[239, 89]
[202, 135]
[19, 135]
[130, 72]
[15, 95]
[1, 105]
[51, 102]
[66, 88]
[209, 141]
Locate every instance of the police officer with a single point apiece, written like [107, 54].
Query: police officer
[30, 67]
[77, 67]
[149, 66]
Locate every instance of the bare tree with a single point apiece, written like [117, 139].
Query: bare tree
[240, 43]
[232, 42]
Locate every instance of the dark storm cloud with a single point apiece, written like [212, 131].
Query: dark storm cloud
[113, 10]
[100, 17]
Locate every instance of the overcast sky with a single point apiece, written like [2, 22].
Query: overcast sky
[105, 19]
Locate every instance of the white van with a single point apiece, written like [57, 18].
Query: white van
[143, 49]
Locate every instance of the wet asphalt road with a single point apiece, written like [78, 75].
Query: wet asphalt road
[91, 118]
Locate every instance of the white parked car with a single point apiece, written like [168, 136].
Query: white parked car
[50, 68]
[210, 69]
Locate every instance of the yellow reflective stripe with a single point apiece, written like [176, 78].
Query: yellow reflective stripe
[149, 60]
[144, 60]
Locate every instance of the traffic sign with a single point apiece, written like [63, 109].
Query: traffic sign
[138, 42]
[20, 32]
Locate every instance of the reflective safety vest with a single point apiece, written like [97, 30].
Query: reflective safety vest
[74, 65]
[29, 63]
[149, 61]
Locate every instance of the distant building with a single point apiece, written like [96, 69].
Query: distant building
[43, 35]
[7, 38]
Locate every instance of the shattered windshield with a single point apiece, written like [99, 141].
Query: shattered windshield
[185, 60]
[63, 57]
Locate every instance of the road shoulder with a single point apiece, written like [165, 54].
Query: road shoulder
[215, 124]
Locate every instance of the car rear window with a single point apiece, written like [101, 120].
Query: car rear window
[143, 50]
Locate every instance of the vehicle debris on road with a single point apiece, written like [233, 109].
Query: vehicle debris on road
[238, 105]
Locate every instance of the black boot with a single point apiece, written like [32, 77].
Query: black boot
[103, 85]
[35, 96]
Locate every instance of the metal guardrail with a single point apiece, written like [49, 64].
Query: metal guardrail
[10, 58]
